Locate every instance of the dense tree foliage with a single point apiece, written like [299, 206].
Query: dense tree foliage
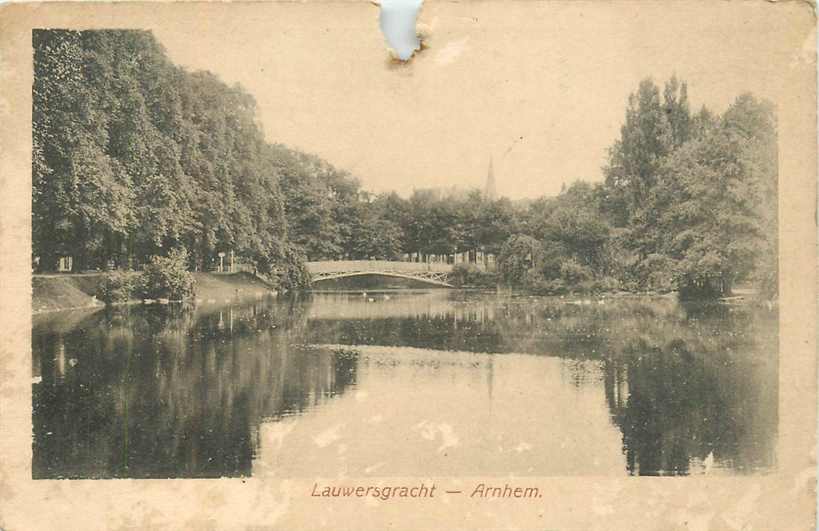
[519, 255]
[135, 157]
[706, 211]
[689, 202]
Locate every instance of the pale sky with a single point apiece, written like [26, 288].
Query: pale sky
[540, 86]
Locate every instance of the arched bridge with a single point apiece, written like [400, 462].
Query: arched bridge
[431, 273]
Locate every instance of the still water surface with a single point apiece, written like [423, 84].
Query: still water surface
[415, 383]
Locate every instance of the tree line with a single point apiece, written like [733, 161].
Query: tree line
[135, 157]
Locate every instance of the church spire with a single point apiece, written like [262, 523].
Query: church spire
[490, 192]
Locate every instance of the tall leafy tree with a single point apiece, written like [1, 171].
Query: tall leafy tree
[645, 138]
[718, 201]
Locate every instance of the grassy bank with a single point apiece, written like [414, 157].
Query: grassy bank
[73, 291]
[222, 286]
[63, 292]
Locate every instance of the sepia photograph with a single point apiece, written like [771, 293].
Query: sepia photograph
[213, 303]
[543, 240]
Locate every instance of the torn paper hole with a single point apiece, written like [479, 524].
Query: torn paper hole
[397, 22]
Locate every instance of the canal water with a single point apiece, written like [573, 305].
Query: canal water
[411, 383]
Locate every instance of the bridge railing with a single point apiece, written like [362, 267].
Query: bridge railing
[336, 266]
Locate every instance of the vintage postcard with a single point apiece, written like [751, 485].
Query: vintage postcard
[440, 265]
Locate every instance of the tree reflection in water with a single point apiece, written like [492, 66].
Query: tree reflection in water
[173, 391]
[701, 395]
[688, 385]
[169, 392]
